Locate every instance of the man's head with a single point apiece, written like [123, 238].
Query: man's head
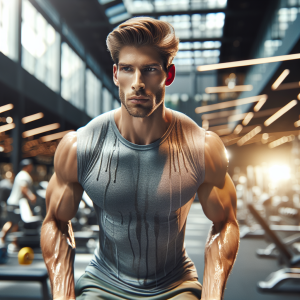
[26, 165]
[143, 50]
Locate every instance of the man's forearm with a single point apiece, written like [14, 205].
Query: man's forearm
[58, 247]
[220, 254]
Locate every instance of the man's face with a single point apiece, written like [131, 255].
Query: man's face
[141, 80]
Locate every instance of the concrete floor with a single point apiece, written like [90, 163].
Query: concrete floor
[241, 285]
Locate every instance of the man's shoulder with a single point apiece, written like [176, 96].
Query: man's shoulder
[96, 122]
[187, 123]
[216, 160]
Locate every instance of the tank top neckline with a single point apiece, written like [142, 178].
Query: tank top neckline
[141, 147]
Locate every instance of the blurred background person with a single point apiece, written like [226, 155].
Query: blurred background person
[22, 188]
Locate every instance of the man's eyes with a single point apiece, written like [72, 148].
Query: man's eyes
[128, 69]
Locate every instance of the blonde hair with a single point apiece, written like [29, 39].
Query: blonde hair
[144, 31]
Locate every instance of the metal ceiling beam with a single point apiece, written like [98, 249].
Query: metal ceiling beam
[228, 12]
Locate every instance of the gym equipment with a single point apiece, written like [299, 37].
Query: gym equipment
[24, 274]
[290, 275]
[3, 255]
[25, 256]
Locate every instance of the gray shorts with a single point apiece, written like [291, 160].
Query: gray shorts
[89, 287]
[12, 216]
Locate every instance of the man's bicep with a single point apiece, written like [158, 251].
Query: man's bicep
[62, 199]
[218, 204]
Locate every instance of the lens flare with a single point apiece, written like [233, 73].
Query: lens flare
[279, 173]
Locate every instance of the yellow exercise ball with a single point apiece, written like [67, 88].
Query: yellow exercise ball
[25, 256]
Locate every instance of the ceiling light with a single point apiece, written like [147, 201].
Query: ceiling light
[54, 136]
[298, 97]
[39, 130]
[238, 129]
[248, 118]
[9, 120]
[6, 127]
[226, 89]
[259, 104]
[220, 114]
[297, 123]
[280, 79]
[6, 107]
[280, 112]
[205, 124]
[32, 118]
[249, 62]
[282, 140]
[289, 86]
[227, 104]
[249, 136]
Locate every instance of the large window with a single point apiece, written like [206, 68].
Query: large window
[93, 92]
[72, 73]
[107, 100]
[8, 28]
[40, 47]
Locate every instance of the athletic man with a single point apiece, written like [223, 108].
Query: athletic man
[142, 165]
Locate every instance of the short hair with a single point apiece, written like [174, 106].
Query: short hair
[144, 31]
[25, 162]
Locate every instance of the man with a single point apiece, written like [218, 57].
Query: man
[21, 189]
[142, 165]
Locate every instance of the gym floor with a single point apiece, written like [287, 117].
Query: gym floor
[248, 269]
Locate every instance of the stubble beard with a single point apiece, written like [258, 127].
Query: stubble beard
[139, 110]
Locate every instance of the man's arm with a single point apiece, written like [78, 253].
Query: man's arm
[28, 194]
[62, 199]
[218, 198]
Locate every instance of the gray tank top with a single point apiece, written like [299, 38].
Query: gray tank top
[142, 195]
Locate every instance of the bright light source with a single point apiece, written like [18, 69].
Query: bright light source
[6, 107]
[227, 89]
[289, 86]
[279, 172]
[260, 103]
[6, 127]
[39, 130]
[227, 104]
[9, 120]
[265, 136]
[227, 154]
[54, 136]
[249, 62]
[32, 118]
[238, 129]
[298, 96]
[248, 118]
[249, 135]
[280, 79]
[282, 111]
[205, 124]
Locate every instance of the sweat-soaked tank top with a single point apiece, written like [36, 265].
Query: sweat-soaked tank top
[142, 195]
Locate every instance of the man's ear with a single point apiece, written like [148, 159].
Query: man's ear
[171, 75]
[115, 76]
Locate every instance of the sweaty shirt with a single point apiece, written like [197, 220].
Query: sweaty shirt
[142, 195]
[22, 179]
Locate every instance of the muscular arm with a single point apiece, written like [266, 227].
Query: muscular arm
[218, 198]
[62, 199]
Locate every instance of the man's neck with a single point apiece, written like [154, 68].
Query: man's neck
[143, 131]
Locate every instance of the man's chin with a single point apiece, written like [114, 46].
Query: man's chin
[139, 112]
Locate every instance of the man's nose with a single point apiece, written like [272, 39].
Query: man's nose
[138, 83]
